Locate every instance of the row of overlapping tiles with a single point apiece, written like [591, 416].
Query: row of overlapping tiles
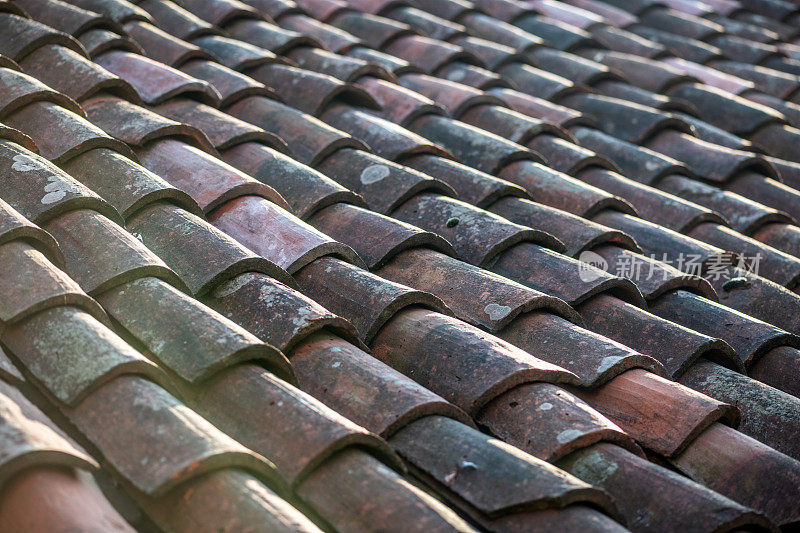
[135, 284]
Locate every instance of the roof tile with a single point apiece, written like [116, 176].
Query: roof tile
[247, 402]
[156, 424]
[235, 54]
[13, 227]
[274, 312]
[269, 36]
[156, 82]
[30, 439]
[467, 378]
[362, 388]
[186, 337]
[231, 85]
[20, 90]
[66, 17]
[276, 234]
[339, 66]
[101, 255]
[374, 31]
[566, 423]
[119, 11]
[365, 299]
[61, 134]
[220, 12]
[177, 21]
[398, 104]
[98, 42]
[202, 255]
[21, 36]
[384, 185]
[73, 355]
[162, 46]
[376, 238]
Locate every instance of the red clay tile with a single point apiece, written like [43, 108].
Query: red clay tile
[564, 156]
[482, 473]
[306, 190]
[518, 128]
[311, 92]
[385, 138]
[661, 415]
[428, 54]
[484, 151]
[274, 312]
[339, 66]
[119, 11]
[638, 484]
[274, 233]
[60, 134]
[768, 415]
[651, 74]
[384, 185]
[678, 23]
[16, 136]
[389, 62]
[73, 501]
[366, 300]
[20, 90]
[579, 70]
[469, 378]
[491, 29]
[398, 104]
[455, 98]
[235, 54]
[101, 255]
[536, 82]
[461, 224]
[124, 184]
[247, 402]
[628, 121]
[711, 77]
[202, 255]
[362, 388]
[773, 82]
[208, 180]
[310, 140]
[558, 275]
[614, 15]
[74, 75]
[548, 422]
[570, 518]
[98, 42]
[324, 9]
[161, 46]
[39, 190]
[14, 226]
[577, 234]
[778, 140]
[269, 36]
[72, 355]
[555, 33]
[542, 109]
[137, 126]
[594, 358]
[156, 82]
[354, 490]
[21, 36]
[479, 297]
[157, 424]
[492, 55]
[558, 190]
[473, 76]
[685, 48]
[185, 336]
[226, 498]
[32, 284]
[232, 86]
[223, 131]
[654, 205]
[376, 238]
[730, 112]
[177, 21]
[220, 12]
[31, 440]
[637, 163]
[374, 31]
[720, 457]
[449, 9]
[566, 13]
[748, 336]
[425, 23]
[332, 38]
[472, 186]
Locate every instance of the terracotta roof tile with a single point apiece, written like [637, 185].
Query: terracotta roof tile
[399, 104]
[175, 20]
[97, 42]
[13, 227]
[203, 256]
[362, 388]
[155, 82]
[234, 54]
[232, 86]
[66, 17]
[339, 66]
[189, 445]
[162, 46]
[274, 312]
[21, 90]
[269, 36]
[220, 12]
[175, 329]
[331, 37]
[75, 365]
[371, 177]
[119, 11]
[22, 36]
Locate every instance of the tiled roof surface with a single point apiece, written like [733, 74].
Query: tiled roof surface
[398, 265]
